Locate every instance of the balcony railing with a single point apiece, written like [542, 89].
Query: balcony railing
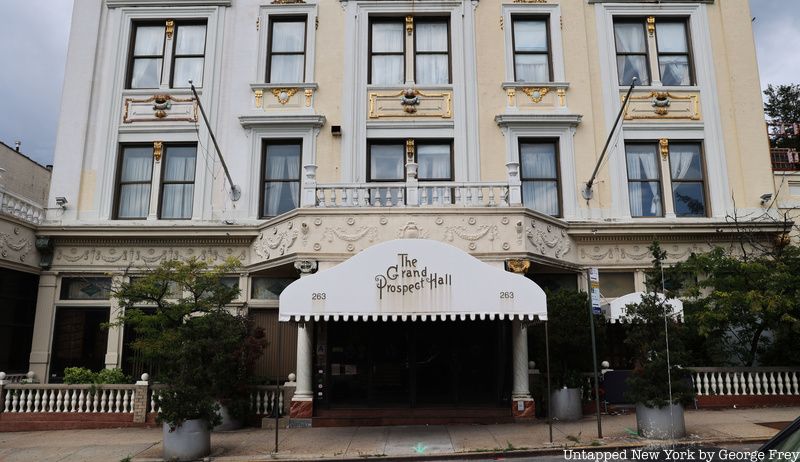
[785, 160]
[413, 192]
[19, 207]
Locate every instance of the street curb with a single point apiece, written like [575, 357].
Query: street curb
[511, 454]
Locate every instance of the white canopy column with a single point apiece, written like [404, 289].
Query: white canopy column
[302, 401]
[522, 403]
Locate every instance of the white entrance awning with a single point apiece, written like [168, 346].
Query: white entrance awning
[618, 312]
[409, 280]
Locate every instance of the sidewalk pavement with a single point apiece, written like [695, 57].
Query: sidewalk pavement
[341, 443]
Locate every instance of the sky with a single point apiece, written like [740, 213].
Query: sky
[33, 47]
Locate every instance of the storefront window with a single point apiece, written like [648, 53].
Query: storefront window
[269, 288]
[88, 288]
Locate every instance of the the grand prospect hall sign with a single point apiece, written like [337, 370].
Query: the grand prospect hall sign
[409, 280]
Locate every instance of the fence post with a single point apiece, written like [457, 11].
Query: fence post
[140, 399]
[288, 392]
[2, 392]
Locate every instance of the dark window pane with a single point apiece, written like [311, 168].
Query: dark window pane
[88, 288]
[689, 199]
[79, 339]
[613, 284]
[645, 198]
[269, 288]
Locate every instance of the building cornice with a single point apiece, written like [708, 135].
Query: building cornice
[173, 3]
[281, 120]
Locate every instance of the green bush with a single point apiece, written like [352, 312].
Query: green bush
[82, 375]
[78, 375]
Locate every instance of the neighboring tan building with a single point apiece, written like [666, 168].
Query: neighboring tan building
[404, 135]
[24, 186]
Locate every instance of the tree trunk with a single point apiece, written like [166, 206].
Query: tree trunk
[754, 346]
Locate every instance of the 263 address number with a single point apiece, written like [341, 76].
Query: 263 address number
[318, 296]
[506, 295]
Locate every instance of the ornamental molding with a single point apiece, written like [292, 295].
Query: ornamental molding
[143, 256]
[410, 102]
[471, 232]
[546, 238]
[662, 105]
[277, 241]
[15, 247]
[159, 107]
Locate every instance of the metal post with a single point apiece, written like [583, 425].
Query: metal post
[594, 366]
[547, 364]
[278, 384]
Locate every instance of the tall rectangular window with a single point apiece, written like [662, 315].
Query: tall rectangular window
[631, 44]
[668, 38]
[177, 182]
[134, 178]
[539, 175]
[286, 57]
[188, 56]
[149, 51]
[686, 171]
[674, 63]
[281, 177]
[432, 52]
[147, 56]
[387, 52]
[531, 49]
[644, 180]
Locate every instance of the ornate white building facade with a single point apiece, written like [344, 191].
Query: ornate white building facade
[349, 123]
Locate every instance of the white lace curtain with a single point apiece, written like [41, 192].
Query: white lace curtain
[288, 41]
[189, 40]
[645, 196]
[135, 177]
[283, 163]
[540, 177]
[387, 69]
[177, 199]
[432, 64]
[531, 62]
[147, 57]
[674, 68]
[630, 39]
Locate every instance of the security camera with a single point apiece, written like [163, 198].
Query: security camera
[766, 197]
[61, 201]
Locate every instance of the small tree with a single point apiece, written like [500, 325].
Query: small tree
[739, 298]
[783, 108]
[657, 356]
[201, 349]
[570, 335]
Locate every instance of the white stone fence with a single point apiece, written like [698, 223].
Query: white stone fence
[19, 207]
[139, 399]
[412, 192]
[754, 381]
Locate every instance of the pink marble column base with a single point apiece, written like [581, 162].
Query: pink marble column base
[528, 412]
[301, 409]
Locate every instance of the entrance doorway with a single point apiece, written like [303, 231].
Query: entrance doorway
[448, 364]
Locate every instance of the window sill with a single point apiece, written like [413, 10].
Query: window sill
[623, 89]
[444, 86]
[557, 85]
[270, 86]
[154, 91]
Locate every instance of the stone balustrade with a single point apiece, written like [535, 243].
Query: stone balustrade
[412, 192]
[21, 208]
[753, 381]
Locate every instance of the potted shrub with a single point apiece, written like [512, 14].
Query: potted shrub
[178, 311]
[570, 338]
[657, 384]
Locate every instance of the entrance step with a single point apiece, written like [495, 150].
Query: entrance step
[367, 417]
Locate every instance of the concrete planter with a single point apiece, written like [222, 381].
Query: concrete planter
[190, 441]
[228, 421]
[654, 423]
[565, 404]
